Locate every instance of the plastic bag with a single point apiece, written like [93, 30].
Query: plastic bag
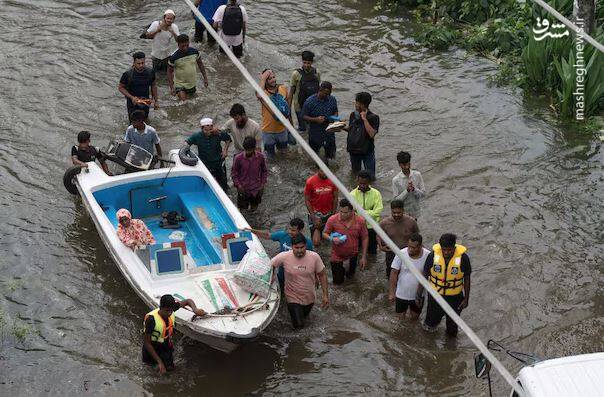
[254, 271]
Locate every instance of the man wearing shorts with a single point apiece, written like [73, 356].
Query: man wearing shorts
[321, 199]
[301, 268]
[182, 69]
[403, 284]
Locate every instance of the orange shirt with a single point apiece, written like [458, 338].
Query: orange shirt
[269, 123]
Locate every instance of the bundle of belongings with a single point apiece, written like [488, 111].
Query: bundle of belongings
[171, 220]
[254, 271]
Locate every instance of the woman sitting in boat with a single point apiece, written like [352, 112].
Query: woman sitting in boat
[133, 232]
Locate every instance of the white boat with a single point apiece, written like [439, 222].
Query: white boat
[196, 261]
[571, 376]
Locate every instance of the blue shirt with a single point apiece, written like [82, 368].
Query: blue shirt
[208, 8]
[314, 107]
[147, 140]
[285, 241]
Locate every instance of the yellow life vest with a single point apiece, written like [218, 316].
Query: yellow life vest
[447, 279]
[161, 331]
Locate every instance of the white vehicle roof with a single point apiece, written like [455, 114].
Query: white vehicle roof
[580, 376]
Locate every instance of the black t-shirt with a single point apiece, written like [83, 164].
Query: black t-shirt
[358, 141]
[91, 154]
[466, 268]
[140, 86]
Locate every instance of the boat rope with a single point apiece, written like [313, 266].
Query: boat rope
[570, 25]
[385, 238]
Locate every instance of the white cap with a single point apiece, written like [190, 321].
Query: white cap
[206, 121]
[169, 12]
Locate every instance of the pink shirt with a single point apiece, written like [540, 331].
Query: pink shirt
[299, 275]
[356, 233]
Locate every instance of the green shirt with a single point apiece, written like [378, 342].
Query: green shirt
[371, 201]
[185, 67]
[209, 148]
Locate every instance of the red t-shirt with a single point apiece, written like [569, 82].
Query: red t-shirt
[356, 233]
[320, 193]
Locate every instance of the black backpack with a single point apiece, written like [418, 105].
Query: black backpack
[144, 34]
[357, 141]
[309, 85]
[232, 21]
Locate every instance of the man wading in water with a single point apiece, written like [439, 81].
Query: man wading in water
[448, 269]
[164, 34]
[399, 227]
[284, 237]
[274, 133]
[347, 232]
[157, 332]
[304, 83]
[182, 69]
[301, 268]
[135, 85]
[230, 21]
[403, 284]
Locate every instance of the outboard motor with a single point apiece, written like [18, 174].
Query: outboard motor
[133, 158]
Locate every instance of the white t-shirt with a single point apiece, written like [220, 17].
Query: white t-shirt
[251, 128]
[164, 42]
[406, 287]
[230, 40]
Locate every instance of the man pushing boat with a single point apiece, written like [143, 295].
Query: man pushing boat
[158, 326]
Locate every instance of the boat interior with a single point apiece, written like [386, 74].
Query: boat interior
[207, 238]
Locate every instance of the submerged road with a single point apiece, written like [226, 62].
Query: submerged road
[523, 192]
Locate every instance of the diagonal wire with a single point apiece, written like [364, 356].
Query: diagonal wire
[561, 18]
[419, 276]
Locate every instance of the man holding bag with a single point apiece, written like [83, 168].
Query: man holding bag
[274, 133]
[362, 127]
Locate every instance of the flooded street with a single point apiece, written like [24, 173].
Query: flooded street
[522, 191]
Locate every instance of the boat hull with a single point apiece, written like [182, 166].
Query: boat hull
[223, 333]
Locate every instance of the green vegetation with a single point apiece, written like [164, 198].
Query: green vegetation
[13, 284]
[3, 323]
[501, 30]
[21, 330]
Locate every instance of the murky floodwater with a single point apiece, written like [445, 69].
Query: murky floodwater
[522, 192]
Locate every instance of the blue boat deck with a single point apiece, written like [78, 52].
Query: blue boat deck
[200, 256]
[206, 218]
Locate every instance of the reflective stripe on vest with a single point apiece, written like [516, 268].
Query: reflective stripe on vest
[161, 331]
[447, 279]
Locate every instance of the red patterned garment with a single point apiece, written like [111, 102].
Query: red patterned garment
[135, 232]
